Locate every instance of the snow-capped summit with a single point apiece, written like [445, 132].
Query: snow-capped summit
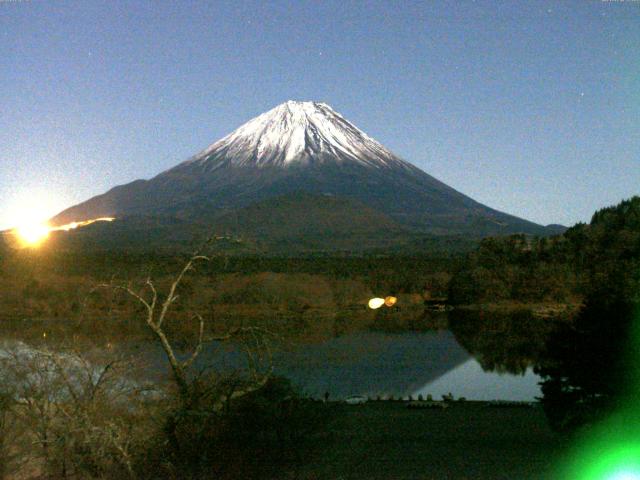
[297, 133]
[299, 148]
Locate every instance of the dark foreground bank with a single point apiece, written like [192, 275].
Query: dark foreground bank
[470, 440]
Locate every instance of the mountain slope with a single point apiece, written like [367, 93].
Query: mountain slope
[303, 222]
[301, 147]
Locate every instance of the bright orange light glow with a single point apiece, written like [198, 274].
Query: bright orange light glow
[74, 225]
[34, 233]
[31, 225]
[390, 301]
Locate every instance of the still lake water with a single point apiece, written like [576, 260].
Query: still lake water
[377, 364]
[380, 364]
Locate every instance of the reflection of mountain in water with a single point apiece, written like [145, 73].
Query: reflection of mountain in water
[372, 363]
[398, 364]
[368, 363]
[504, 342]
[469, 380]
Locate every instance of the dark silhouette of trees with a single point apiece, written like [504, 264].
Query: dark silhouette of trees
[518, 268]
[590, 367]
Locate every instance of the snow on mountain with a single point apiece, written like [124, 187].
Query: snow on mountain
[297, 133]
[294, 148]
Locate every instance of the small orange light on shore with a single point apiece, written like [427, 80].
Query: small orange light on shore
[390, 301]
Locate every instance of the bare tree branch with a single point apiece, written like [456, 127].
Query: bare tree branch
[254, 340]
[172, 292]
[186, 364]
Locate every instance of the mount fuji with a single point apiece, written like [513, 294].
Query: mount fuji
[301, 167]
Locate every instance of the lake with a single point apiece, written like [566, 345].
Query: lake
[381, 364]
[478, 356]
[400, 365]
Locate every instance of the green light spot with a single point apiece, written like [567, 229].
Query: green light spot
[624, 476]
[611, 449]
[622, 463]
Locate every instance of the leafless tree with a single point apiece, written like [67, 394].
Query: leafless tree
[203, 395]
[76, 414]
[255, 341]
[86, 417]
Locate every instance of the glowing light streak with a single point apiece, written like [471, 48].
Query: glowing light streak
[74, 225]
[34, 233]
